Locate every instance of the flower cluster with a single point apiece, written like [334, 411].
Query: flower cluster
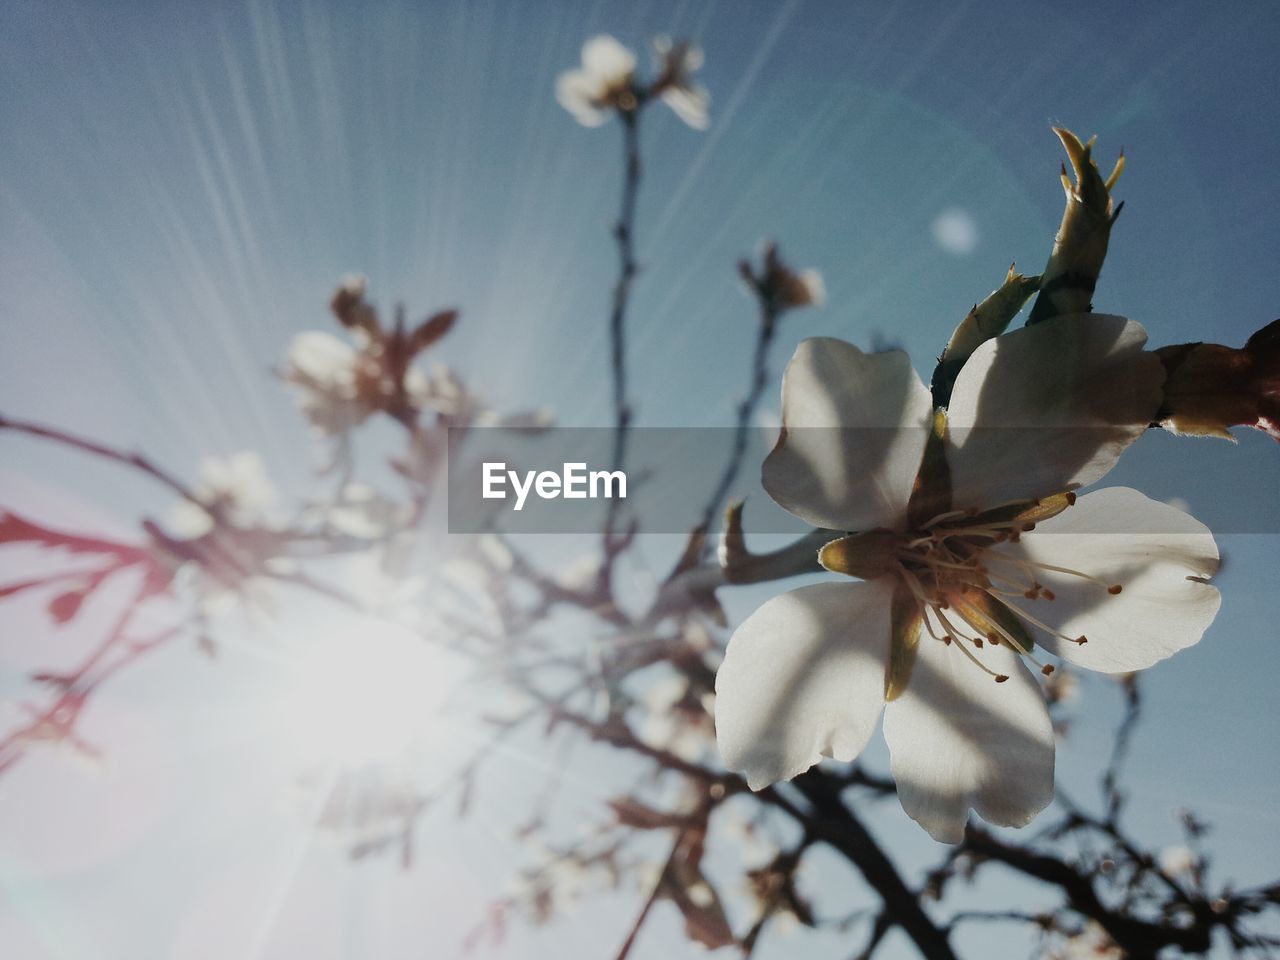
[342, 385]
[607, 83]
[235, 489]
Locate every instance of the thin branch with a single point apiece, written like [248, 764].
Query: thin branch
[746, 409]
[624, 235]
[135, 460]
[1120, 749]
[625, 950]
[882, 925]
[1138, 938]
[836, 824]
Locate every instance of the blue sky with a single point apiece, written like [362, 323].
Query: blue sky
[182, 184]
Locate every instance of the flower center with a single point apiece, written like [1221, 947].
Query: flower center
[966, 591]
[970, 594]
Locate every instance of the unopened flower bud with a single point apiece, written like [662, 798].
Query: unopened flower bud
[987, 319]
[782, 287]
[1081, 244]
[349, 306]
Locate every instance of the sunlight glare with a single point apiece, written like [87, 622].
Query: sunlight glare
[374, 692]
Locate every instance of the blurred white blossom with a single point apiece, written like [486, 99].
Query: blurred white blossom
[675, 719]
[677, 61]
[604, 83]
[323, 367]
[236, 487]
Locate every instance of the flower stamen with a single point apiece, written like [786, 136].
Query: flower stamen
[1111, 588]
[998, 677]
[1080, 641]
[1012, 640]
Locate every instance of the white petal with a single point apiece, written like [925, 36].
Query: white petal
[248, 481]
[1149, 549]
[693, 59]
[814, 288]
[578, 94]
[188, 521]
[958, 740]
[607, 60]
[1049, 408]
[854, 430]
[690, 105]
[803, 678]
[323, 359]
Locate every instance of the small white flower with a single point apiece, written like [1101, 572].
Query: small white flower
[580, 573]
[747, 837]
[606, 82]
[670, 723]
[240, 479]
[603, 84]
[188, 520]
[237, 486]
[677, 62]
[957, 589]
[324, 368]
[218, 595]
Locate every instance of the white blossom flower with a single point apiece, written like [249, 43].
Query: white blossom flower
[956, 588]
[677, 62]
[553, 887]
[237, 486]
[745, 835]
[671, 721]
[325, 368]
[605, 82]
[579, 574]
[218, 594]
[341, 385]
